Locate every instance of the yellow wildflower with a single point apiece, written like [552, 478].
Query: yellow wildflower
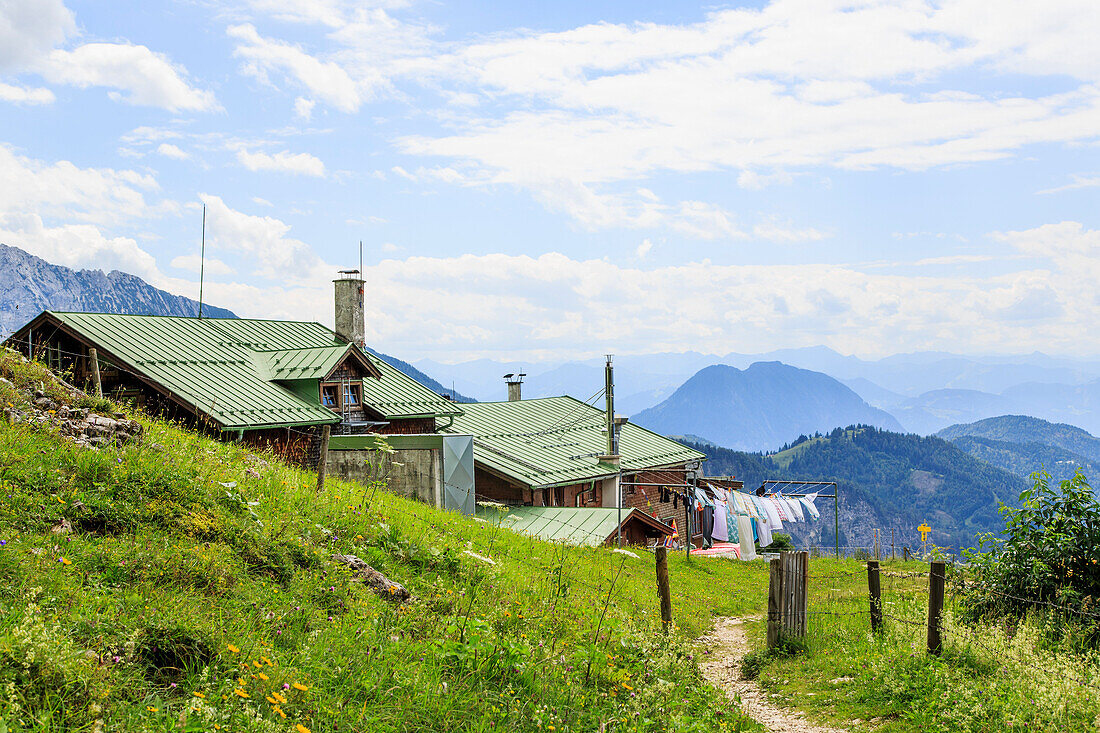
[279, 697]
[150, 708]
[66, 561]
[301, 728]
[300, 686]
[280, 712]
[263, 676]
[199, 695]
[256, 664]
[240, 693]
[232, 648]
[270, 699]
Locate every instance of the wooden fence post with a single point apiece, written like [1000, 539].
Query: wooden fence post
[93, 358]
[935, 606]
[874, 591]
[775, 595]
[326, 431]
[663, 589]
[803, 590]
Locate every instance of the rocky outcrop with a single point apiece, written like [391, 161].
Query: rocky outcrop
[81, 425]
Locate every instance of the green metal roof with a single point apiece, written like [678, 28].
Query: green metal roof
[310, 363]
[397, 394]
[229, 369]
[583, 526]
[556, 440]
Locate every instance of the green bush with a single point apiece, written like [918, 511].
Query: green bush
[780, 543]
[1047, 560]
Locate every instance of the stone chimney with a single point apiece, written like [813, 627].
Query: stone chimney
[349, 306]
[515, 386]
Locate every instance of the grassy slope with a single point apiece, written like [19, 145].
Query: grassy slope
[988, 678]
[174, 585]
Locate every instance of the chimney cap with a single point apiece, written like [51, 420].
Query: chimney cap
[513, 377]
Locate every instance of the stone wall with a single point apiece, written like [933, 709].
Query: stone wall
[419, 475]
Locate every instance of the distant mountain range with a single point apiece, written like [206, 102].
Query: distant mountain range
[886, 480]
[925, 391]
[761, 407]
[30, 285]
[1023, 445]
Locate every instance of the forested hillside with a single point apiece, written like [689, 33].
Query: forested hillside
[886, 480]
[1024, 430]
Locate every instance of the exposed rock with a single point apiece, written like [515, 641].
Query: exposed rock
[63, 527]
[378, 582]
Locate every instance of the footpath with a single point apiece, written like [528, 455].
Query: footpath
[726, 646]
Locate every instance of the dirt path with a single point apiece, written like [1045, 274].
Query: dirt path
[722, 668]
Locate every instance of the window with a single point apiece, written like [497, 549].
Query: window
[329, 396]
[352, 395]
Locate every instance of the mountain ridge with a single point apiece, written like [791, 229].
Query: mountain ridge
[761, 407]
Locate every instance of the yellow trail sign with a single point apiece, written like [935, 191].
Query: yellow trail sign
[924, 529]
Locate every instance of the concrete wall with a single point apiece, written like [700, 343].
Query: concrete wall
[419, 477]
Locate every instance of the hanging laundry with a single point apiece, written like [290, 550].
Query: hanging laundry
[808, 503]
[721, 531]
[775, 524]
[794, 508]
[744, 532]
[747, 504]
[731, 515]
[764, 531]
[779, 507]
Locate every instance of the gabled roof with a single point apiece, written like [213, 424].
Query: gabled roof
[557, 440]
[230, 369]
[318, 362]
[580, 526]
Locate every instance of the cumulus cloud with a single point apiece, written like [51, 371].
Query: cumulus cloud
[31, 33]
[141, 76]
[168, 150]
[62, 189]
[263, 239]
[282, 162]
[326, 80]
[80, 246]
[29, 29]
[24, 95]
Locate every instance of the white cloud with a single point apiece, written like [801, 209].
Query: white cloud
[194, 263]
[61, 189]
[23, 95]
[282, 162]
[304, 108]
[264, 239]
[168, 150]
[564, 307]
[143, 76]
[80, 246]
[29, 29]
[1076, 181]
[327, 81]
[642, 250]
[261, 202]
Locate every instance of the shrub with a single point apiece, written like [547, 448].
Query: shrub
[1047, 559]
[780, 543]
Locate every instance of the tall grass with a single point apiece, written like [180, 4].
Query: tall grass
[197, 591]
[989, 677]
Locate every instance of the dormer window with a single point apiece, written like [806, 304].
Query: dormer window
[352, 395]
[330, 396]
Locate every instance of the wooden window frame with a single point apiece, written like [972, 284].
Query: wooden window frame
[336, 393]
[355, 389]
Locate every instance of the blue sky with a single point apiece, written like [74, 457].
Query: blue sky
[556, 180]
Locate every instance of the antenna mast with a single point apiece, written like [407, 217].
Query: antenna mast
[202, 258]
